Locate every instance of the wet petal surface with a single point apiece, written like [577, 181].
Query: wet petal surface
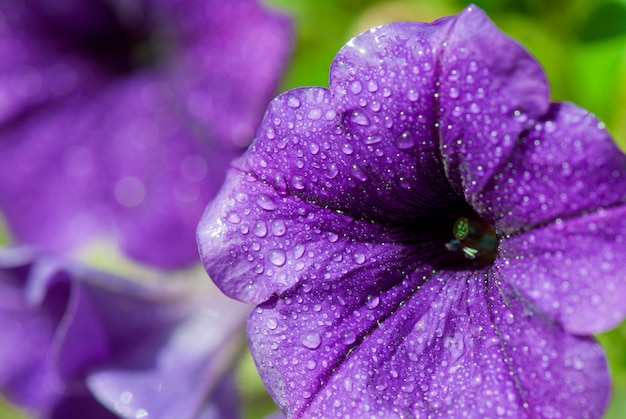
[413, 268]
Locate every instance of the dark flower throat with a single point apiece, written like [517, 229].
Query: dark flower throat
[474, 239]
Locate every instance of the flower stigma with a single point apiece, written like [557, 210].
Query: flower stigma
[475, 239]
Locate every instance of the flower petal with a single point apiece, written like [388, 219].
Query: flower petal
[567, 164]
[174, 375]
[491, 90]
[76, 333]
[573, 269]
[455, 347]
[27, 375]
[131, 155]
[256, 243]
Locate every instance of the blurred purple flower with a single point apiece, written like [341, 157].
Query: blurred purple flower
[76, 341]
[119, 119]
[431, 236]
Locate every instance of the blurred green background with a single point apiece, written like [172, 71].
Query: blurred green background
[581, 44]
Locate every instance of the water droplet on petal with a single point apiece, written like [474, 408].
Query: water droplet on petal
[298, 251]
[359, 258]
[372, 301]
[358, 173]
[311, 340]
[360, 118]
[356, 87]
[413, 95]
[332, 171]
[408, 387]
[234, 218]
[372, 86]
[241, 197]
[315, 114]
[372, 139]
[314, 148]
[293, 102]
[298, 182]
[278, 257]
[271, 323]
[279, 228]
[405, 140]
[347, 149]
[349, 337]
[266, 202]
[260, 229]
[280, 183]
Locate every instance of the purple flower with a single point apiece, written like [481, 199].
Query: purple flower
[118, 120]
[430, 237]
[76, 342]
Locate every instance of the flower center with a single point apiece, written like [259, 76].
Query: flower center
[474, 239]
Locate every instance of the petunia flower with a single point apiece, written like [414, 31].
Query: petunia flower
[430, 237]
[118, 119]
[80, 343]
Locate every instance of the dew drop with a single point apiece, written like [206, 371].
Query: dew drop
[311, 340]
[271, 323]
[413, 95]
[315, 114]
[358, 173]
[266, 202]
[241, 197]
[356, 87]
[388, 122]
[311, 364]
[359, 258]
[360, 118]
[382, 386]
[332, 171]
[372, 86]
[314, 148]
[280, 183]
[260, 229]
[386, 92]
[298, 251]
[408, 387]
[347, 149]
[279, 228]
[298, 182]
[348, 338]
[372, 139]
[405, 140]
[454, 93]
[293, 102]
[234, 218]
[372, 301]
[278, 257]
